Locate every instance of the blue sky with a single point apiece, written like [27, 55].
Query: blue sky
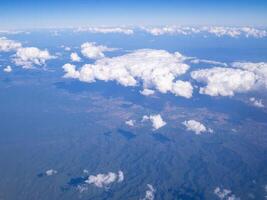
[30, 13]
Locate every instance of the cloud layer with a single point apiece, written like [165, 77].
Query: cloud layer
[217, 31]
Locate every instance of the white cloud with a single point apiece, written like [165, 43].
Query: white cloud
[171, 30]
[120, 176]
[70, 71]
[147, 92]
[224, 81]
[256, 102]
[29, 56]
[217, 31]
[182, 88]
[150, 193]
[259, 69]
[67, 48]
[75, 57]
[197, 127]
[154, 69]
[225, 194]
[7, 69]
[156, 120]
[105, 30]
[51, 172]
[93, 51]
[130, 122]
[211, 62]
[7, 45]
[105, 180]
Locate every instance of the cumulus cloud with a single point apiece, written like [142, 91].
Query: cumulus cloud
[7, 69]
[150, 193]
[29, 56]
[224, 81]
[105, 30]
[256, 102]
[154, 69]
[217, 31]
[156, 120]
[225, 194]
[242, 77]
[75, 57]
[259, 69]
[147, 92]
[7, 45]
[130, 122]
[70, 71]
[105, 180]
[197, 127]
[51, 172]
[93, 51]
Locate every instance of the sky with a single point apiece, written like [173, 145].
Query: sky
[17, 14]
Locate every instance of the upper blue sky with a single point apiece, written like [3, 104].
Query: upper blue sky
[47, 13]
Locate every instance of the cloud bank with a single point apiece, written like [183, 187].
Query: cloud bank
[223, 81]
[218, 31]
[153, 69]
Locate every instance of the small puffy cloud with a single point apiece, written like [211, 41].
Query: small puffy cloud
[224, 81]
[256, 102]
[147, 92]
[154, 69]
[7, 45]
[150, 193]
[197, 127]
[182, 88]
[105, 180]
[51, 172]
[29, 56]
[105, 30]
[75, 57]
[70, 71]
[156, 120]
[130, 122]
[93, 51]
[225, 194]
[7, 69]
